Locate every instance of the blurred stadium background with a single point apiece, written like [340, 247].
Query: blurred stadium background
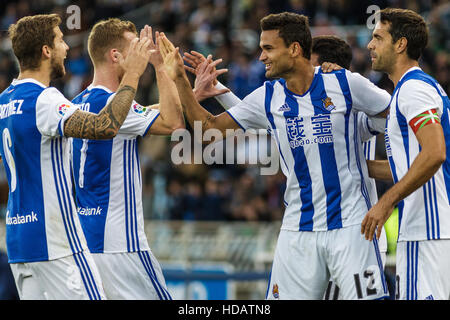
[214, 227]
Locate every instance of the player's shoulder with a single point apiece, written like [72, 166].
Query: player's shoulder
[417, 89]
[26, 88]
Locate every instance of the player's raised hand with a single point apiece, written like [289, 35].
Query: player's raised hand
[155, 55]
[206, 79]
[194, 59]
[137, 58]
[171, 56]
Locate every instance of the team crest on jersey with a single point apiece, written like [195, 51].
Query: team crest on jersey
[328, 104]
[62, 109]
[275, 292]
[141, 110]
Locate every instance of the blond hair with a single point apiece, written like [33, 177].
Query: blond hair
[106, 35]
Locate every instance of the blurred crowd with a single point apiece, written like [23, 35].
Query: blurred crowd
[228, 29]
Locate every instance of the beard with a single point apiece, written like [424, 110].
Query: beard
[57, 69]
[384, 62]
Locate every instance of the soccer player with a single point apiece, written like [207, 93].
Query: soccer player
[46, 247]
[335, 50]
[311, 117]
[417, 144]
[325, 49]
[107, 173]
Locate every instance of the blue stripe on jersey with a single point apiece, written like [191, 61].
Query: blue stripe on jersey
[133, 194]
[436, 210]
[59, 194]
[357, 141]
[403, 125]
[401, 204]
[343, 83]
[137, 159]
[269, 93]
[69, 198]
[427, 216]
[430, 202]
[94, 194]
[130, 195]
[445, 122]
[125, 183]
[63, 195]
[300, 164]
[328, 160]
[67, 212]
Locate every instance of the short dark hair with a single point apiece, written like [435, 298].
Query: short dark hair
[292, 27]
[408, 24]
[29, 35]
[332, 49]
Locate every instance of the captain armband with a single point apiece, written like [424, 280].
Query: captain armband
[424, 119]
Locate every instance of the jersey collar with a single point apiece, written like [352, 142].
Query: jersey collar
[16, 82]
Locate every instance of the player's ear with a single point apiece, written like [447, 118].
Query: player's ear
[46, 51]
[401, 45]
[114, 55]
[295, 49]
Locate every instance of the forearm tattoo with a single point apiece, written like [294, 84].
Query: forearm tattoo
[104, 125]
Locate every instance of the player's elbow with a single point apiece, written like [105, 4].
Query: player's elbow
[440, 157]
[437, 156]
[179, 124]
[175, 125]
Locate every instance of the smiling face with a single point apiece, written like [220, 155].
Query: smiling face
[382, 50]
[275, 54]
[58, 54]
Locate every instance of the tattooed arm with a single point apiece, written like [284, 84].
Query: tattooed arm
[107, 122]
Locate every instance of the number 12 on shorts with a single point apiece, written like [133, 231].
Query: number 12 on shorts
[370, 287]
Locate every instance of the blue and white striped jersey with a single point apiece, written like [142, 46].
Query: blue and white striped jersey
[424, 214]
[108, 183]
[41, 219]
[368, 137]
[316, 134]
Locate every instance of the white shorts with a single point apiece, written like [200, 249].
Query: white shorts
[332, 292]
[131, 276]
[422, 270]
[73, 277]
[305, 261]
